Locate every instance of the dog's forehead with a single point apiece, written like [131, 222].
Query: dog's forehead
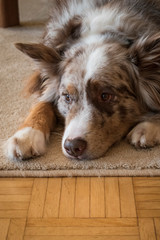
[97, 60]
[85, 65]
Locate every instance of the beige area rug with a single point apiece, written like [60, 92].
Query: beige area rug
[121, 160]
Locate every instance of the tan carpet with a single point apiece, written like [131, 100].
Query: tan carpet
[121, 160]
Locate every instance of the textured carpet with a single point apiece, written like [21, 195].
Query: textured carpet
[120, 160]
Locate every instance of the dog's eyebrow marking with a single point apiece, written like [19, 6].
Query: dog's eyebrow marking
[71, 89]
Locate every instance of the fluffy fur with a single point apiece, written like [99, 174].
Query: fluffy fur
[99, 66]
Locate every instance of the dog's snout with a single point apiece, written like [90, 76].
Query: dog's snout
[75, 147]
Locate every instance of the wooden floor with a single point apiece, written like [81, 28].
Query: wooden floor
[80, 208]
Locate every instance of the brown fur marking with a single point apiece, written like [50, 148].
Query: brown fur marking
[33, 84]
[41, 117]
[72, 90]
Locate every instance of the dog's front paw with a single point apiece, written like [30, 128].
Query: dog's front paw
[145, 135]
[25, 143]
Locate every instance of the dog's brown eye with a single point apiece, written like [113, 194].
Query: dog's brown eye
[67, 98]
[106, 97]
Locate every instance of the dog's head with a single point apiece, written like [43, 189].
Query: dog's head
[100, 88]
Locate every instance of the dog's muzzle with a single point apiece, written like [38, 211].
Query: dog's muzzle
[75, 147]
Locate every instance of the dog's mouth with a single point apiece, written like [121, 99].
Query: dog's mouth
[83, 157]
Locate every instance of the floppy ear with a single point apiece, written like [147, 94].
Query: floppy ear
[48, 74]
[48, 58]
[145, 55]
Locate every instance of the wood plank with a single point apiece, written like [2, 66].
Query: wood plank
[148, 213]
[128, 208]
[67, 201]
[13, 213]
[97, 202]
[157, 227]
[13, 205]
[22, 179]
[148, 205]
[15, 198]
[4, 226]
[146, 228]
[16, 184]
[112, 197]
[38, 198]
[82, 200]
[145, 178]
[81, 238]
[84, 222]
[79, 231]
[149, 182]
[147, 190]
[16, 229]
[15, 191]
[147, 197]
[52, 202]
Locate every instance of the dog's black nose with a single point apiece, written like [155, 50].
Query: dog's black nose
[75, 147]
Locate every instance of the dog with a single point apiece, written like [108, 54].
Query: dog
[98, 69]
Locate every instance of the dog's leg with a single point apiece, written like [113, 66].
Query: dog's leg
[31, 138]
[145, 134]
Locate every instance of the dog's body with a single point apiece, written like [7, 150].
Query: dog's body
[99, 69]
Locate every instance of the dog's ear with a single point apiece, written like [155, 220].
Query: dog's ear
[49, 68]
[145, 55]
[46, 56]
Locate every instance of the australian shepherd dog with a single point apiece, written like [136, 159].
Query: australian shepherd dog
[98, 68]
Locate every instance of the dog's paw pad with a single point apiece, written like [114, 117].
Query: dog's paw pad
[144, 135]
[26, 143]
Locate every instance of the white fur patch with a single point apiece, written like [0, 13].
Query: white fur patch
[25, 143]
[101, 20]
[143, 140]
[138, 139]
[97, 60]
[96, 38]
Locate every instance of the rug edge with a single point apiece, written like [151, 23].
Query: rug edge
[81, 173]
